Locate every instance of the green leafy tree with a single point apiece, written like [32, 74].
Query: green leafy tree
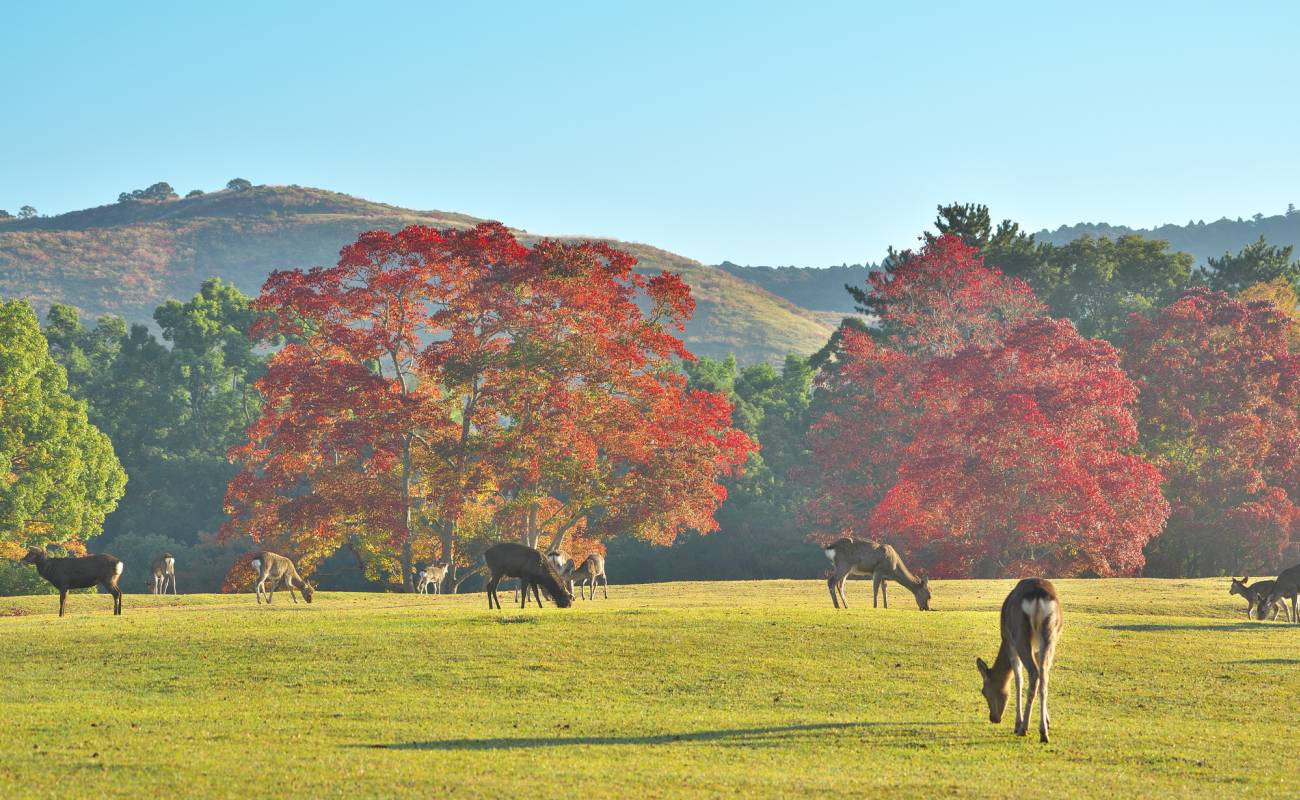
[59, 477]
[28, 212]
[1258, 262]
[238, 184]
[173, 413]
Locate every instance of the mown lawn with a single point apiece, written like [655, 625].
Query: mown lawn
[703, 689]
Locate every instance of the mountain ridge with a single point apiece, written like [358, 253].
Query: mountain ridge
[128, 257]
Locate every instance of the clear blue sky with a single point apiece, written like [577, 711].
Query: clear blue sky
[777, 133]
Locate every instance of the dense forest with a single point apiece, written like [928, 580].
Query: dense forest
[994, 403]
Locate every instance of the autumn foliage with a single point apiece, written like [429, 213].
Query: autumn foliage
[1220, 415]
[436, 381]
[979, 435]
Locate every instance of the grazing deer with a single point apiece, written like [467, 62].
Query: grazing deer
[881, 562]
[430, 577]
[80, 572]
[1031, 626]
[1287, 586]
[278, 570]
[513, 560]
[588, 573]
[1256, 596]
[162, 573]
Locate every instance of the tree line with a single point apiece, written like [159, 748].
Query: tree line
[1099, 407]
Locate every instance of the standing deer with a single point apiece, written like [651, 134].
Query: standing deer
[162, 573]
[1031, 626]
[1286, 586]
[513, 560]
[1256, 595]
[430, 577]
[80, 572]
[588, 573]
[881, 562]
[278, 570]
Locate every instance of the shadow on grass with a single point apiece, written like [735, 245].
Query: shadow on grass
[909, 732]
[1152, 627]
[1268, 661]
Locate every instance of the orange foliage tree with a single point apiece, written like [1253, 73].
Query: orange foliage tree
[431, 374]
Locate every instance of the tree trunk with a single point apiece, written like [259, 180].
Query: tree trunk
[449, 554]
[532, 535]
[406, 488]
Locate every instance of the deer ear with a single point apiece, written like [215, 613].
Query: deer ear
[983, 668]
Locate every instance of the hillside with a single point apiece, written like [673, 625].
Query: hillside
[127, 258]
[821, 289]
[1201, 239]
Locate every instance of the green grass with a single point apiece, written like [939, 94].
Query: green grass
[725, 689]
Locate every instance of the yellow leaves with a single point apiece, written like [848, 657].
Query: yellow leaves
[12, 550]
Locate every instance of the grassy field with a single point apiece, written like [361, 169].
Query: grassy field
[720, 689]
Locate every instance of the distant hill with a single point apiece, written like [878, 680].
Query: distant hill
[819, 289]
[127, 258]
[1201, 239]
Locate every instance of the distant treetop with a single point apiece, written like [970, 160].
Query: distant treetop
[156, 193]
[194, 193]
[238, 184]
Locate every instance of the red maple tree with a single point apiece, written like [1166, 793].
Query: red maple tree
[1220, 415]
[977, 434]
[433, 374]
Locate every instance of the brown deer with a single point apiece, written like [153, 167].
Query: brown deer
[80, 572]
[162, 573]
[588, 573]
[881, 562]
[430, 577]
[514, 560]
[1031, 626]
[278, 570]
[1287, 586]
[1256, 595]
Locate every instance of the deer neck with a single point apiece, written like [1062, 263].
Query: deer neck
[905, 577]
[1003, 666]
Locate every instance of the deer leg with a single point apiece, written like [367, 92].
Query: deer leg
[1044, 719]
[1035, 675]
[839, 586]
[289, 585]
[63, 600]
[876, 580]
[1019, 671]
[605, 587]
[884, 592]
[537, 595]
[524, 587]
[492, 591]
[117, 596]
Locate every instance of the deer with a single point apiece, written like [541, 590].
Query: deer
[1256, 594]
[78, 572]
[588, 573]
[1286, 586]
[514, 560]
[1031, 627]
[162, 574]
[430, 577]
[881, 562]
[278, 570]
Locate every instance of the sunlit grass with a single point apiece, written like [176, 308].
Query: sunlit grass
[725, 689]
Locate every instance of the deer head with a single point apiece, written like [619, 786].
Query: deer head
[923, 595]
[995, 692]
[307, 591]
[1238, 586]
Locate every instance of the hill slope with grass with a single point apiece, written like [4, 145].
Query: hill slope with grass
[129, 257]
[1161, 689]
